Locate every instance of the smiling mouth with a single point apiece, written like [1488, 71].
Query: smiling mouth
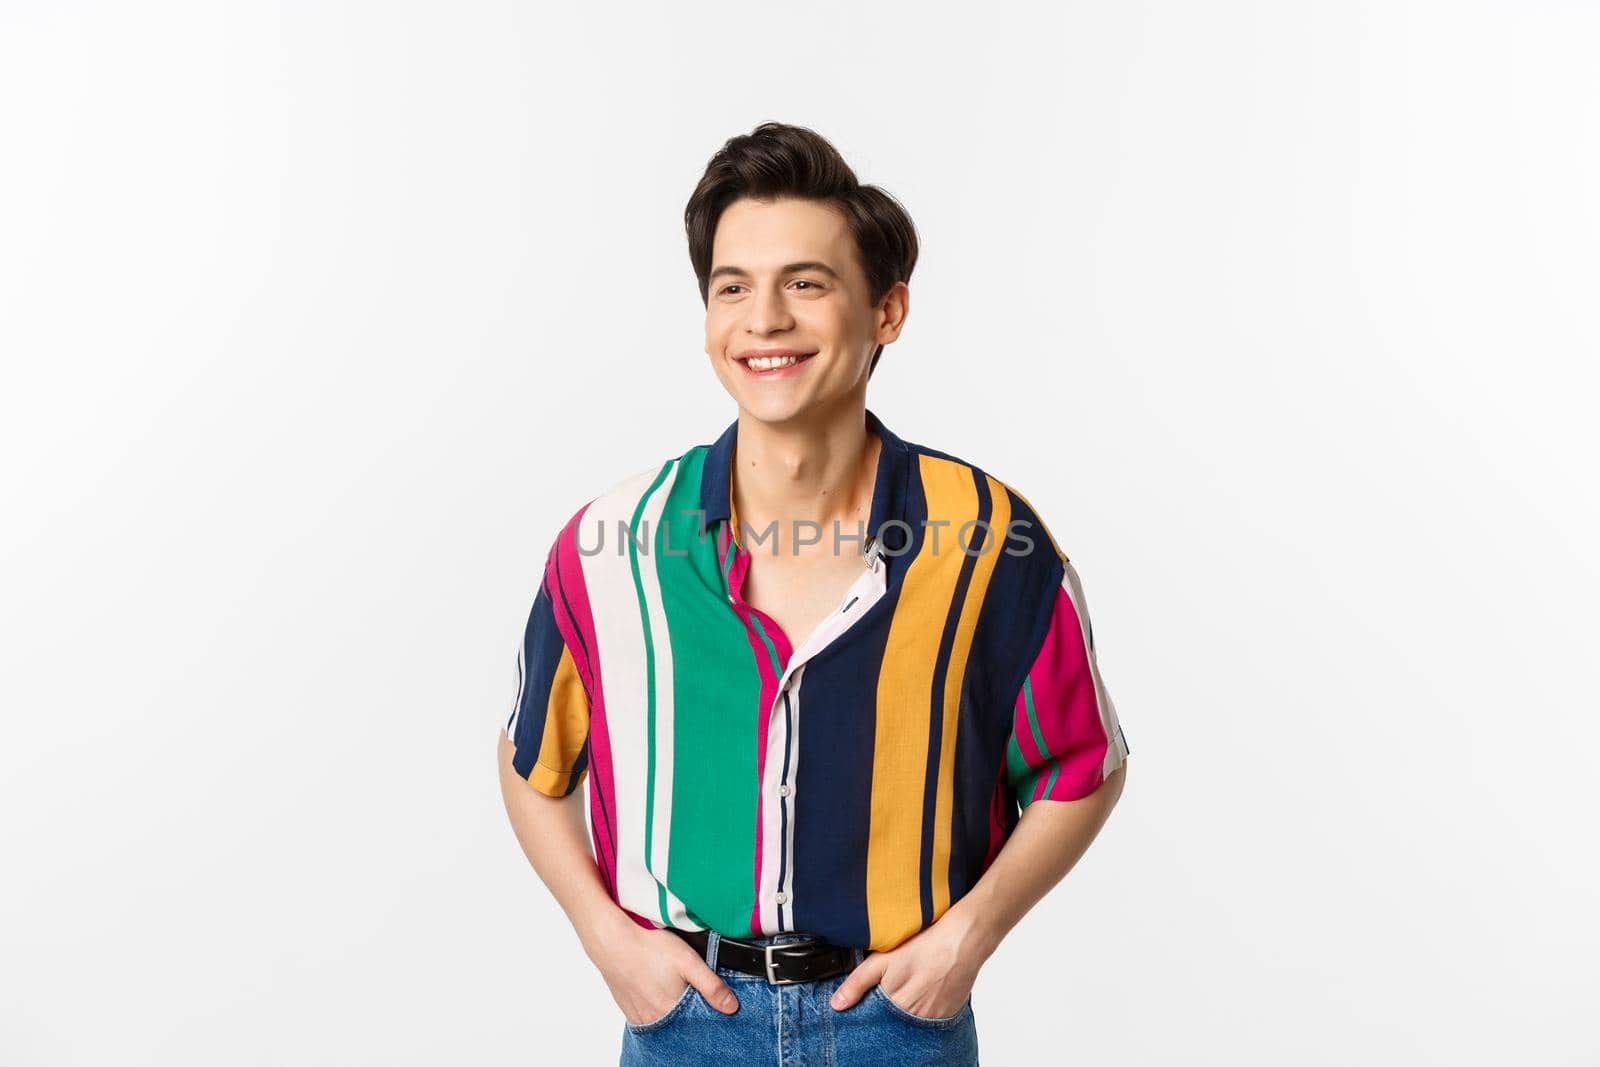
[768, 364]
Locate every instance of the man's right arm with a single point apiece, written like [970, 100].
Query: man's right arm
[554, 837]
[646, 970]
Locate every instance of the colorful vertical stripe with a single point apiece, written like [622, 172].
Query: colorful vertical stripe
[850, 783]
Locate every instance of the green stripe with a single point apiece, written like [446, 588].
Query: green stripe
[772, 650]
[650, 688]
[727, 566]
[1055, 769]
[716, 693]
[1026, 796]
[1033, 718]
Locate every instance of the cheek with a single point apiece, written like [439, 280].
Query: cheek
[716, 332]
[716, 346]
[836, 323]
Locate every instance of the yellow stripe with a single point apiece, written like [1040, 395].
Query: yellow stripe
[986, 552]
[905, 687]
[566, 725]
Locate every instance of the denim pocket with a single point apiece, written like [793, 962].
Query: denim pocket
[673, 1012]
[943, 1022]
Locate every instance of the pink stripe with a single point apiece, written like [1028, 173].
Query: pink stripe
[997, 828]
[769, 690]
[1067, 706]
[578, 631]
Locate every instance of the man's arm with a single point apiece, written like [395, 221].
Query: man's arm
[931, 974]
[555, 839]
[646, 970]
[1048, 841]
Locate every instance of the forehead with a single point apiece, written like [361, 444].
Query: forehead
[765, 234]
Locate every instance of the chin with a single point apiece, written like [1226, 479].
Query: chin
[774, 409]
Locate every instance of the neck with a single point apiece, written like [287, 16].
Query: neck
[821, 471]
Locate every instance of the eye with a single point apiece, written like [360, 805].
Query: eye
[805, 281]
[725, 288]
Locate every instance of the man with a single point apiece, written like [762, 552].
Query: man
[811, 672]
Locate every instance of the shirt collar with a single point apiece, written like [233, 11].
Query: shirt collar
[888, 489]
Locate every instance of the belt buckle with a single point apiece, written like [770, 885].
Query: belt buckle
[772, 976]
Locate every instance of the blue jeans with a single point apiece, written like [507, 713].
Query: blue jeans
[795, 1026]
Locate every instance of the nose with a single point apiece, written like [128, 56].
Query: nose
[767, 312]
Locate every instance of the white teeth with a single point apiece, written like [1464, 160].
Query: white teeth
[770, 362]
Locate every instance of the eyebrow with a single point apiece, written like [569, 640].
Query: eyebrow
[791, 268]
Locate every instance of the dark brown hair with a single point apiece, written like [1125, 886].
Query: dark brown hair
[776, 160]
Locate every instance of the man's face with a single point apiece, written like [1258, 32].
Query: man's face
[785, 277]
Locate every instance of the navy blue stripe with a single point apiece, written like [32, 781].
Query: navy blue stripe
[541, 655]
[941, 670]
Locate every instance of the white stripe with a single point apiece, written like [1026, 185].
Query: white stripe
[1116, 746]
[516, 701]
[786, 840]
[773, 844]
[648, 532]
[613, 603]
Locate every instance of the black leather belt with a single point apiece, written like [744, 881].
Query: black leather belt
[782, 964]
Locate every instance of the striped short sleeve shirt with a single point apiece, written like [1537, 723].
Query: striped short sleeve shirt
[851, 786]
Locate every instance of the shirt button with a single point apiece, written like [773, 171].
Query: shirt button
[781, 898]
[784, 790]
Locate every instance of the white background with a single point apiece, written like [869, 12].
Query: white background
[318, 319]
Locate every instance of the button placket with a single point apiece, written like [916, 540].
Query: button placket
[866, 591]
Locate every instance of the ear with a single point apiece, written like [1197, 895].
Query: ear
[892, 312]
